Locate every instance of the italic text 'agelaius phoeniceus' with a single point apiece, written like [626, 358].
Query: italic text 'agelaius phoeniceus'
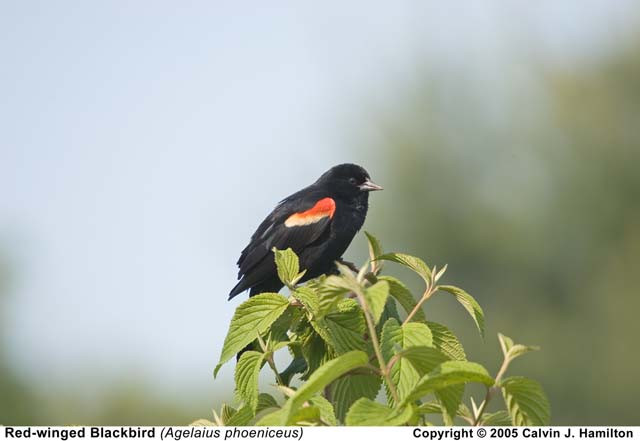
[317, 223]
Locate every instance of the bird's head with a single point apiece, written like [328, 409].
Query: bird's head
[347, 180]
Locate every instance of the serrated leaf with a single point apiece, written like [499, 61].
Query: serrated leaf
[403, 375]
[376, 298]
[375, 251]
[326, 409]
[390, 311]
[423, 358]
[227, 412]
[415, 263]
[266, 401]
[246, 377]
[309, 299]
[288, 265]
[322, 377]
[450, 399]
[402, 294]
[330, 292]
[346, 390]
[366, 412]
[396, 339]
[469, 303]
[297, 366]
[446, 341]
[448, 374]
[417, 334]
[278, 331]
[431, 407]
[315, 354]
[242, 417]
[251, 318]
[343, 329]
[500, 418]
[526, 401]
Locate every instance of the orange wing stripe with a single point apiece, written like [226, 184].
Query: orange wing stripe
[323, 208]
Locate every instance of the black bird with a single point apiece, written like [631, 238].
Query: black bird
[317, 223]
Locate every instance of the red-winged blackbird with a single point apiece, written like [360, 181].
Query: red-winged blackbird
[317, 223]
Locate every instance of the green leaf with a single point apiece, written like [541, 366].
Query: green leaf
[431, 407]
[403, 375]
[423, 358]
[288, 266]
[526, 401]
[512, 351]
[226, 412]
[343, 329]
[246, 377]
[242, 417]
[500, 418]
[266, 401]
[415, 263]
[390, 311]
[346, 390]
[309, 415]
[401, 293]
[297, 366]
[272, 419]
[395, 339]
[366, 412]
[326, 409]
[416, 334]
[450, 399]
[251, 318]
[375, 251]
[309, 298]
[322, 377]
[330, 292]
[315, 354]
[469, 304]
[447, 374]
[446, 341]
[505, 343]
[518, 350]
[376, 297]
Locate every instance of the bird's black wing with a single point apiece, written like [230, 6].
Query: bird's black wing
[295, 223]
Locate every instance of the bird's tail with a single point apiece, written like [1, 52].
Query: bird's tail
[240, 287]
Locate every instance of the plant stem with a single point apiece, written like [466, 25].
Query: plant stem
[427, 293]
[270, 362]
[491, 391]
[376, 347]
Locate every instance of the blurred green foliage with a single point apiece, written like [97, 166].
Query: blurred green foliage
[533, 198]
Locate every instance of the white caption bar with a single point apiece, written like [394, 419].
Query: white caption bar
[170, 433]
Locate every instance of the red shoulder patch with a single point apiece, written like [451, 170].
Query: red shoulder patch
[323, 208]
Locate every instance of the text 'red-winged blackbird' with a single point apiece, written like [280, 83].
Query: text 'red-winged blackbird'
[317, 223]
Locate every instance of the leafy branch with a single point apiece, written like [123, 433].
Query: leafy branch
[346, 337]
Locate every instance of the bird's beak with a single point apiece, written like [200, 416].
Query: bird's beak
[369, 186]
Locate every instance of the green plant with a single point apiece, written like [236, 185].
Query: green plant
[347, 341]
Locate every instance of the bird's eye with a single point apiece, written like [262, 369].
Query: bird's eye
[352, 181]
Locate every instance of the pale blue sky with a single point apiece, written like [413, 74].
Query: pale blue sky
[142, 142]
